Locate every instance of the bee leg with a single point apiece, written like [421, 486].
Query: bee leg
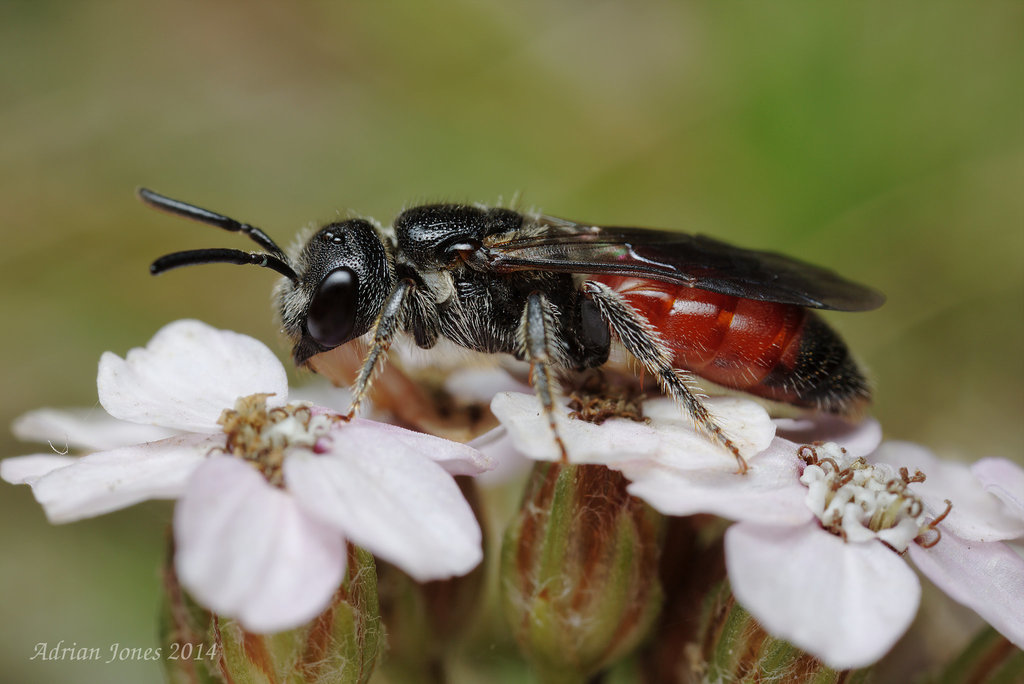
[390, 321]
[540, 347]
[642, 341]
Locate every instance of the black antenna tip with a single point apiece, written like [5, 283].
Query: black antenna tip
[191, 211]
[147, 195]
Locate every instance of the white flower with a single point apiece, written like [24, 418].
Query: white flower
[814, 555]
[269, 492]
[670, 463]
[837, 586]
[668, 438]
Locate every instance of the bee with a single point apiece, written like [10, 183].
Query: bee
[555, 293]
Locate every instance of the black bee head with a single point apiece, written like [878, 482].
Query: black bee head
[344, 276]
[334, 286]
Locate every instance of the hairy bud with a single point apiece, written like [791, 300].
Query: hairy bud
[579, 570]
[732, 647]
[342, 644]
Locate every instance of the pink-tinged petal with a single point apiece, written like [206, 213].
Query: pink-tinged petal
[481, 384]
[1003, 479]
[106, 481]
[187, 375]
[456, 458]
[985, 576]
[246, 549]
[400, 506]
[770, 491]
[28, 469]
[89, 429]
[509, 463]
[669, 437]
[845, 603]
[976, 515]
[859, 439]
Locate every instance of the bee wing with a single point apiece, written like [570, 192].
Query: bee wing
[546, 243]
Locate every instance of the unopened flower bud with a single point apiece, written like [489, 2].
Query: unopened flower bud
[342, 644]
[731, 646]
[692, 568]
[579, 570]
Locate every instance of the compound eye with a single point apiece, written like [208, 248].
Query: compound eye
[332, 313]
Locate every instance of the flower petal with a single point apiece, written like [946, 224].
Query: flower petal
[481, 383]
[90, 429]
[456, 458]
[987, 577]
[769, 492]
[669, 437]
[847, 604]
[391, 501]
[859, 439]
[187, 375]
[246, 549]
[106, 481]
[28, 469]
[976, 514]
[1003, 479]
[509, 463]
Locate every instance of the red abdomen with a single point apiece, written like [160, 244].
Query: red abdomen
[778, 351]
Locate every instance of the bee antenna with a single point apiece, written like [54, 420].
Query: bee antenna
[222, 256]
[191, 211]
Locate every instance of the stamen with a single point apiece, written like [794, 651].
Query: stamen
[857, 501]
[596, 402]
[918, 476]
[942, 516]
[896, 486]
[928, 543]
[832, 462]
[932, 527]
[261, 436]
[843, 477]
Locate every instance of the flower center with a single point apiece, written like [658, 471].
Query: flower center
[597, 400]
[260, 435]
[859, 501]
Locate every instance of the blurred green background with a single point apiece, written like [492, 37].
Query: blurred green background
[885, 140]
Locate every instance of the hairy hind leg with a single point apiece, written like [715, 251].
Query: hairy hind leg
[643, 342]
